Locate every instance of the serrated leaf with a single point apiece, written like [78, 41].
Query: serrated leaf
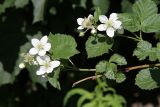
[101, 67]
[102, 4]
[143, 50]
[120, 77]
[111, 70]
[148, 78]
[130, 22]
[63, 46]
[97, 47]
[21, 3]
[116, 58]
[151, 24]
[54, 80]
[36, 78]
[144, 8]
[5, 77]
[38, 12]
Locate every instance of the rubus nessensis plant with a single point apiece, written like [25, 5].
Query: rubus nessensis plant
[48, 56]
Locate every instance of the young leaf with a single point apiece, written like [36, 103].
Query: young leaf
[21, 3]
[53, 80]
[120, 77]
[96, 14]
[120, 60]
[38, 12]
[63, 46]
[101, 67]
[111, 70]
[144, 8]
[143, 50]
[148, 78]
[96, 47]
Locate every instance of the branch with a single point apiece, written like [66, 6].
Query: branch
[87, 78]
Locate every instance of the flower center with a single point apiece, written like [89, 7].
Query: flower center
[109, 23]
[86, 23]
[47, 65]
[39, 46]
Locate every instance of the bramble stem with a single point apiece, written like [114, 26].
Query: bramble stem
[87, 78]
[135, 39]
[87, 69]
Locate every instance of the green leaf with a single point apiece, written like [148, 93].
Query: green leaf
[6, 4]
[96, 14]
[5, 77]
[148, 78]
[38, 12]
[36, 78]
[83, 3]
[83, 98]
[63, 46]
[102, 4]
[54, 80]
[21, 3]
[120, 77]
[120, 60]
[101, 67]
[73, 92]
[144, 9]
[97, 47]
[151, 24]
[130, 22]
[143, 50]
[126, 6]
[111, 70]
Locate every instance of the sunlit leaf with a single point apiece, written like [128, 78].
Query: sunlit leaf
[116, 58]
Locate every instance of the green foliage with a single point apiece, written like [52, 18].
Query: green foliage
[54, 79]
[97, 46]
[102, 4]
[63, 46]
[148, 78]
[126, 6]
[5, 77]
[97, 98]
[21, 3]
[120, 77]
[144, 17]
[118, 59]
[38, 12]
[6, 4]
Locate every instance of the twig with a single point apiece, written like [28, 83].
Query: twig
[87, 78]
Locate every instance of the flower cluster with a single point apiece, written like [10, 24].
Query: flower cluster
[110, 25]
[37, 56]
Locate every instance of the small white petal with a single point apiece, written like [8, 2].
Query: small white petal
[41, 71]
[40, 60]
[41, 52]
[117, 24]
[49, 70]
[80, 21]
[47, 58]
[44, 40]
[35, 42]
[102, 27]
[103, 19]
[55, 63]
[113, 16]
[33, 51]
[110, 32]
[47, 46]
[80, 28]
[21, 65]
[93, 31]
[90, 17]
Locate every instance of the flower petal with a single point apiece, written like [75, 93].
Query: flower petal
[80, 21]
[55, 63]
[117, 24]
[110, 32]
[41, 52]
[102, 27]
[90, 17]
[44, 40]
[35, 42]
[113, 16]
[49, 70]
[103, 19]
[41, 71]
[40, 60]
[80, 28]
[47, 46]
[33, 51]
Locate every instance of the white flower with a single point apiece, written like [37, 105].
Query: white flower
[40, 46]
[21, 65]
[85, 22]
[46, 65]
[109, 25]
